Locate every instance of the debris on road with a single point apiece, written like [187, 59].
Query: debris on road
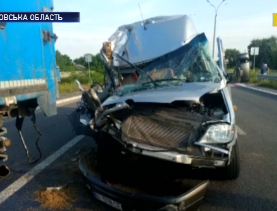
[56, 188]
[56, 200]
[74, 159]
[59, 187]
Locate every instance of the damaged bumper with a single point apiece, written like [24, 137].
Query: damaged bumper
[198, 154]
[195, 161]
[196, 158]
[121, 200]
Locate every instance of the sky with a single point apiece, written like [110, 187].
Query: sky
[238, 21]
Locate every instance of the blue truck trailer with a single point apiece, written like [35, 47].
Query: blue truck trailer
[29, 73]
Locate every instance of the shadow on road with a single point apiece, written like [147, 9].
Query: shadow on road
[237, 201]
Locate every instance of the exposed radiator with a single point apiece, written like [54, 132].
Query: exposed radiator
[166, 129]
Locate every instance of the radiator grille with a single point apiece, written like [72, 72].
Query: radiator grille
[157, 131]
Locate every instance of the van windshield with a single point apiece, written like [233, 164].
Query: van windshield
[188, 64]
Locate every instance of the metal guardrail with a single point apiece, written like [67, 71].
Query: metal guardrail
[268, 77]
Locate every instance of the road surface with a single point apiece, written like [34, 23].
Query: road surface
[256, 188]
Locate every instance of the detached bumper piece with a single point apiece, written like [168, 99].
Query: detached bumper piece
[124, 198]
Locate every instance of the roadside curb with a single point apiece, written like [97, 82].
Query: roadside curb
[254, 88]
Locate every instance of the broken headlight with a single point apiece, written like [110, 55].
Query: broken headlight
[219, 133]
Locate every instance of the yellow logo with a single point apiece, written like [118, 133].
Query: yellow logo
[274, 19]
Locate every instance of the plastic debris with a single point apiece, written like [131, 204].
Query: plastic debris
[56, 188]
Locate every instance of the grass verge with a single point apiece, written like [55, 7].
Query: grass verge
[71, 87]
[253, 77]
[68, 85]
[262, 83]
[268, 84]
[84, 77]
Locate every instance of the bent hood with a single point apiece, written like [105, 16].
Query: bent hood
[187, 91]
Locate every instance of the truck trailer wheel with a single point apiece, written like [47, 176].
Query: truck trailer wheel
[232, 171]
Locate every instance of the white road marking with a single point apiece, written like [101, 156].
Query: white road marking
[23, 180]
[253, 88]
[240, 131]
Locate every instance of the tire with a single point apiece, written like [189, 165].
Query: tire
[232, 171]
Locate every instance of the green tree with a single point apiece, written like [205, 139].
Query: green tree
[64, 62]
[81, 61]
[231, 55]
[96, 65]
[267, 51]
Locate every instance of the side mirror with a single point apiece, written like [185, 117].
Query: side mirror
[229, 77]
[91, 98]
[95, 99]
[79, 85]
[96, 87]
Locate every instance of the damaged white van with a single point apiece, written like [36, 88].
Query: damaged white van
[164, 98]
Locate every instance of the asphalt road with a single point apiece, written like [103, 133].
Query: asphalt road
[256, 188]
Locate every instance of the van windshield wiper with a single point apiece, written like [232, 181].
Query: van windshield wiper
[138, 69]
[163, 80]
[169, 79]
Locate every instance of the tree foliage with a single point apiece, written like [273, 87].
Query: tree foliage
[231, 55]
[66, 64]
[96, 64]
[267, 51]
[267, 54]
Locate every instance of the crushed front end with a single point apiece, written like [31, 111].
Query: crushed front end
[162, 111]
[178, 109]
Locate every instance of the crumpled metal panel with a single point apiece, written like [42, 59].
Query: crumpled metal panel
[185, 63]
[187, 91]
[163, 34]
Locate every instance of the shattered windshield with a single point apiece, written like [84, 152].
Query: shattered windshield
[188, 64]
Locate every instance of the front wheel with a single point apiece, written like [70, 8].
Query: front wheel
[232, 171]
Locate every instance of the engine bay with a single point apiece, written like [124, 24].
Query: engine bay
[175, 126]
